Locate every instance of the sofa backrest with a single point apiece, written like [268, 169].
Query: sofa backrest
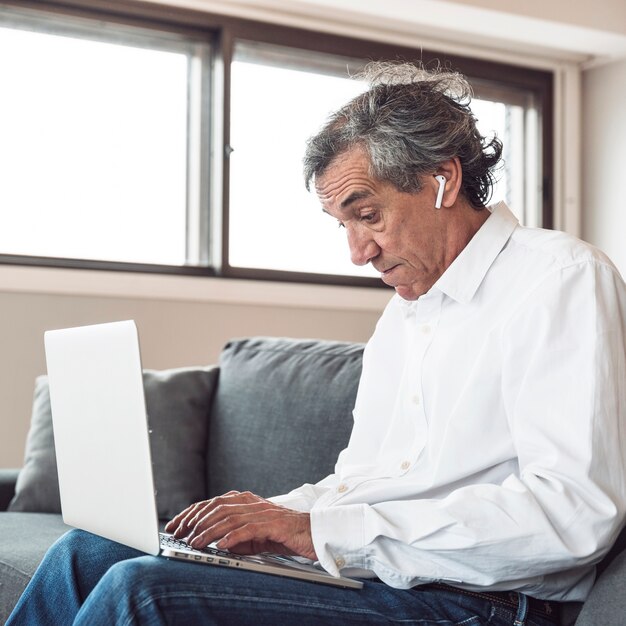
[281, 413]
[178, 403]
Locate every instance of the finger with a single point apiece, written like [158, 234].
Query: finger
[256, 525]
[218, 519]
[219, 507]
[175, 521]
[185, 523]
[258, 547]
[253, 535]
[213, 528]
[290, 533]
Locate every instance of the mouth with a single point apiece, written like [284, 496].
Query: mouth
[388, 270]
[386, 273]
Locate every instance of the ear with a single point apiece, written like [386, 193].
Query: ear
[452, 171]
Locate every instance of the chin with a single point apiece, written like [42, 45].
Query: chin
[406, 293]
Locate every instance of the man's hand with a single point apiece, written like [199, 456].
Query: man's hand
[245, 524]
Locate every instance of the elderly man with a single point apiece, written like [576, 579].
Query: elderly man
[485, 473]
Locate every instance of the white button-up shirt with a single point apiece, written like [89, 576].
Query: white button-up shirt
[489, 440]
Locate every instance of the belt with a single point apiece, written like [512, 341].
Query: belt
[508, 599]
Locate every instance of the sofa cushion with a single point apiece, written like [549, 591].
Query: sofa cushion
[37, 486]
[606, 605]
[8, 478]
[24, 539]
[281, 414]
[177, 402]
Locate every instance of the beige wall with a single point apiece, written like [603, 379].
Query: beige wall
[173, 334]
[604, 160]
[607, 15]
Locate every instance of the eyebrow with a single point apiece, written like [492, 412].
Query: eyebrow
[353, 197]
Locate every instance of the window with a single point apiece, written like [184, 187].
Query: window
[269, 204]
[172, 141]
[512, 114]
[94, 151]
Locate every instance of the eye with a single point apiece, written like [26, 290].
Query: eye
[369, 218]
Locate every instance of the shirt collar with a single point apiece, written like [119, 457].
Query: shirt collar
[465, 274]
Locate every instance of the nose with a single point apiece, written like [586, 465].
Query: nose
[363, 248]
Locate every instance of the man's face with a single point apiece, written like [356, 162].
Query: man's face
[401, 234]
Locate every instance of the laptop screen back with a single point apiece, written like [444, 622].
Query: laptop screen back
[101, 433]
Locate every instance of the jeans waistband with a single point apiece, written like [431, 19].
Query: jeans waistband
[509, 599]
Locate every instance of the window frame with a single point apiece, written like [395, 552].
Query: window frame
[221, 32]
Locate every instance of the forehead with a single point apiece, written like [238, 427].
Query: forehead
[347, 174]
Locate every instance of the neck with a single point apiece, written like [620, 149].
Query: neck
[465, 223]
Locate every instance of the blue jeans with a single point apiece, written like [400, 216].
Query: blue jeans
[85, 579]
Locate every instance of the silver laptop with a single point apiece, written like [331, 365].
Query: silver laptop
[103, 450]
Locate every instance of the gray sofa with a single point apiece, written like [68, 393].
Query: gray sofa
[273, 414]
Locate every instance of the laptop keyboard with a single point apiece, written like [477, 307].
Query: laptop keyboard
[169, 541]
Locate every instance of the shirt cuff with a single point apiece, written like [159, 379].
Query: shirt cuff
[338, 536]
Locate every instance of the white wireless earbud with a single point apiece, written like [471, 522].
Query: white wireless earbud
[442, 186]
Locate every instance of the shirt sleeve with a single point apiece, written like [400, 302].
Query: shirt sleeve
[563, 368]
[303, 498]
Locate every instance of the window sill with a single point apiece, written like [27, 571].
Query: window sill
[106, 284]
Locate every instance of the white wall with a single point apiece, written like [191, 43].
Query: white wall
[604, 160]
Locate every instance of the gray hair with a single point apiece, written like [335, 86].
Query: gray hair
[409, 121]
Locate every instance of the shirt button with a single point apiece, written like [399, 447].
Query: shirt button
[342, 488]
[340, 562]
[405, 465]
[416, 400]
[425, 329]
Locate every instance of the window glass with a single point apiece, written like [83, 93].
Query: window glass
[93, 149]
[514, 120]
[274, 222]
